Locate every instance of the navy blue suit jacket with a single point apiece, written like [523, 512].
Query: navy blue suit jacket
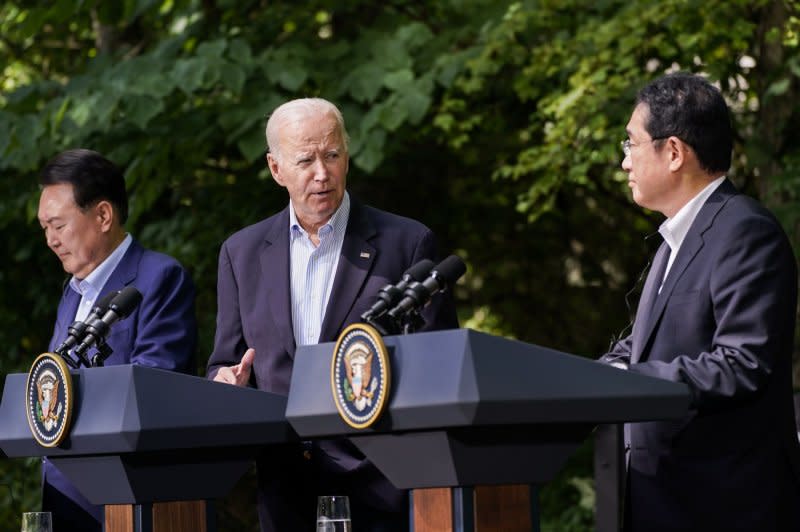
[724, 324]
[161, 332]
[254, 310]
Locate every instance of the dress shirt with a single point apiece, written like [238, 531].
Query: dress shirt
[89, 288]
[312, 269]
[674, 229]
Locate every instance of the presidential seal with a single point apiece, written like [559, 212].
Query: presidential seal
[360, 375]
[48, 399]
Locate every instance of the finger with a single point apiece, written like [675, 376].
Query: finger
[225, 375]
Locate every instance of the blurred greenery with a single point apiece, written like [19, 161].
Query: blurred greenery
[497, 123]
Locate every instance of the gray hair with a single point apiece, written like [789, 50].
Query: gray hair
[301, 107]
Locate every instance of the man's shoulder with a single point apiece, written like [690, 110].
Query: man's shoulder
[385, 221]
[157, 259]
[258, 231]
[744, 209]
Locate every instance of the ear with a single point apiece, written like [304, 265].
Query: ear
[678, 151]
[104, 211]
[274, 169]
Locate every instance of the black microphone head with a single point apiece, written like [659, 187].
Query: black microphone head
[102, 304]
[420, 270]
[127, 300]
[450, 269]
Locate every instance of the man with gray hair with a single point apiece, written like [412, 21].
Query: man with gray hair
[300, 277]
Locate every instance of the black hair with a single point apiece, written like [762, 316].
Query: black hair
[93, 178]
[690, 108]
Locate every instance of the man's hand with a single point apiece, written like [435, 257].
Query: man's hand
[239, 374]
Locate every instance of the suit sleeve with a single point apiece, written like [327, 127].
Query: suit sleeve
[441, 313]
[753, 287]
[229, 343]
[620, 352]
[167, 331]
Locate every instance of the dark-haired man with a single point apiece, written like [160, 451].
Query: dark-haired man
[82, 209]
[717, 313]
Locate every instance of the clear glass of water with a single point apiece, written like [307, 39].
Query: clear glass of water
[333, 514]
[37, 522]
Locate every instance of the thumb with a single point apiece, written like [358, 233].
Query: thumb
[247, 360]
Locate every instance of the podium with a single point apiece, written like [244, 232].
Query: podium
[469, 410]
[142, 437]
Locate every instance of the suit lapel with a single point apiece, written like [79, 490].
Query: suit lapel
[126, 271]
[275, 271]
[689, 249]
[354, 266]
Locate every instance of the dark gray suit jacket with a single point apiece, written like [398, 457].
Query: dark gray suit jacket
[254, 310]
[724, 324]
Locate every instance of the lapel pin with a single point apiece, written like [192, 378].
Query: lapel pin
[364, 255]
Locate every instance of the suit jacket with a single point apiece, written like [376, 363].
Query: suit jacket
[254, 310]
[161, 332]
[724, 324]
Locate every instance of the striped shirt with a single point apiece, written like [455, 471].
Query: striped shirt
[312, 269]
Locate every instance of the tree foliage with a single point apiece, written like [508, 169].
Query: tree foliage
[497, 123]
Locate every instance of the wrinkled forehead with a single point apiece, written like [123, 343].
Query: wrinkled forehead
[309, 130]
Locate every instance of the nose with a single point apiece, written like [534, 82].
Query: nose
[51, 239]
[626, 163]
[320, 171]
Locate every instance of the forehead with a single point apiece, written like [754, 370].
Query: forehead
[306, 131]
[56, 200]
[638, 121]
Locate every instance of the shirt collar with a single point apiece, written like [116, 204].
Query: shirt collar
[94, 282]
[674, 229]
[336, 225]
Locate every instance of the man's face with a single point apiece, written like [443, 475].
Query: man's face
[75, 236]
[648, 168]
[312, 164]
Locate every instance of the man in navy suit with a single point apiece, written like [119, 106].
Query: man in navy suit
[717, 313]
[299, 277]
[82, 209]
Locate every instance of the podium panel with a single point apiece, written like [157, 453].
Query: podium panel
[146, 437]
[482, 409]
[470, 409]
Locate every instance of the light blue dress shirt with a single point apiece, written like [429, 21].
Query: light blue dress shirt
[312, 269]
[89, 288]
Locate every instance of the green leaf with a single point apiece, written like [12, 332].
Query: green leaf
[252, 145]
[212, 49]
[399, 80]
[188, 74]
[233, 76]
[364, 82]
[142, 109]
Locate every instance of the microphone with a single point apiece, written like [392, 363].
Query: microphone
[123, 304]
[390, 294]
[77, 330]
[417, 295]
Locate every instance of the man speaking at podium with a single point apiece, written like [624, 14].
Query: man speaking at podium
[717, 313]
[300, 277]
[82, 209]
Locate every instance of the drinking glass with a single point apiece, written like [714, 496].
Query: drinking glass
[37, 522]
[333, 514]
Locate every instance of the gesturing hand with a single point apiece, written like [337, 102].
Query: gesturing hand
[239, 374]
